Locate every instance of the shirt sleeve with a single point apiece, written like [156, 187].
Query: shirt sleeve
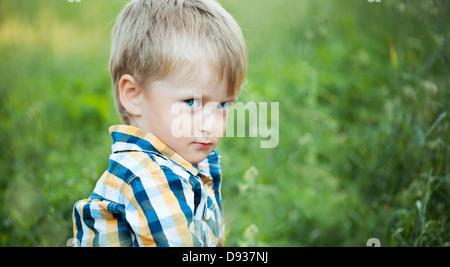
[98, 223]
[158, 211]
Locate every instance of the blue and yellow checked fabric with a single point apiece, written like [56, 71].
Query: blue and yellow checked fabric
[151, 196]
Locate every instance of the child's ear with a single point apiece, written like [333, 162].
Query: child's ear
[130, 94]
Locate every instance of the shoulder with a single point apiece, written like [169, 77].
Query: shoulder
[128, 165]
[133, 172]
[124, 169]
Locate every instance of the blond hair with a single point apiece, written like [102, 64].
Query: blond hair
[151, 37]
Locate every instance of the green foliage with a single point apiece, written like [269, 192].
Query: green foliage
[364, 121]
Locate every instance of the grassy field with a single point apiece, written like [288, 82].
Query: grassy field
[364, 137]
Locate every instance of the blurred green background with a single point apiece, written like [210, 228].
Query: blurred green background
[364, 121]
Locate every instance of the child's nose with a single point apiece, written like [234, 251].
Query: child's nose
[208, 125]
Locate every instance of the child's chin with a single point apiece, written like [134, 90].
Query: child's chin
[197, 157]
[196, 160]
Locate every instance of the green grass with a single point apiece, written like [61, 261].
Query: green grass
[364, 121]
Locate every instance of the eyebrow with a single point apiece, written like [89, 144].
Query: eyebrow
[190, 92]
[233, 100]
[227, 99]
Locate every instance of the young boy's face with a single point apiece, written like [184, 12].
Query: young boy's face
[187, 111]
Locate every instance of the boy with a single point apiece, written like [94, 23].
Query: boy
[173, 63]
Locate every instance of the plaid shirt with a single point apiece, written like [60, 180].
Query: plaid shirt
[151, 196]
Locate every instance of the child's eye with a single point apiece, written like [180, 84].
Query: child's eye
[223, 106]
[193, 103]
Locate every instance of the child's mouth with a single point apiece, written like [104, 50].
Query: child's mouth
[202, 145]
